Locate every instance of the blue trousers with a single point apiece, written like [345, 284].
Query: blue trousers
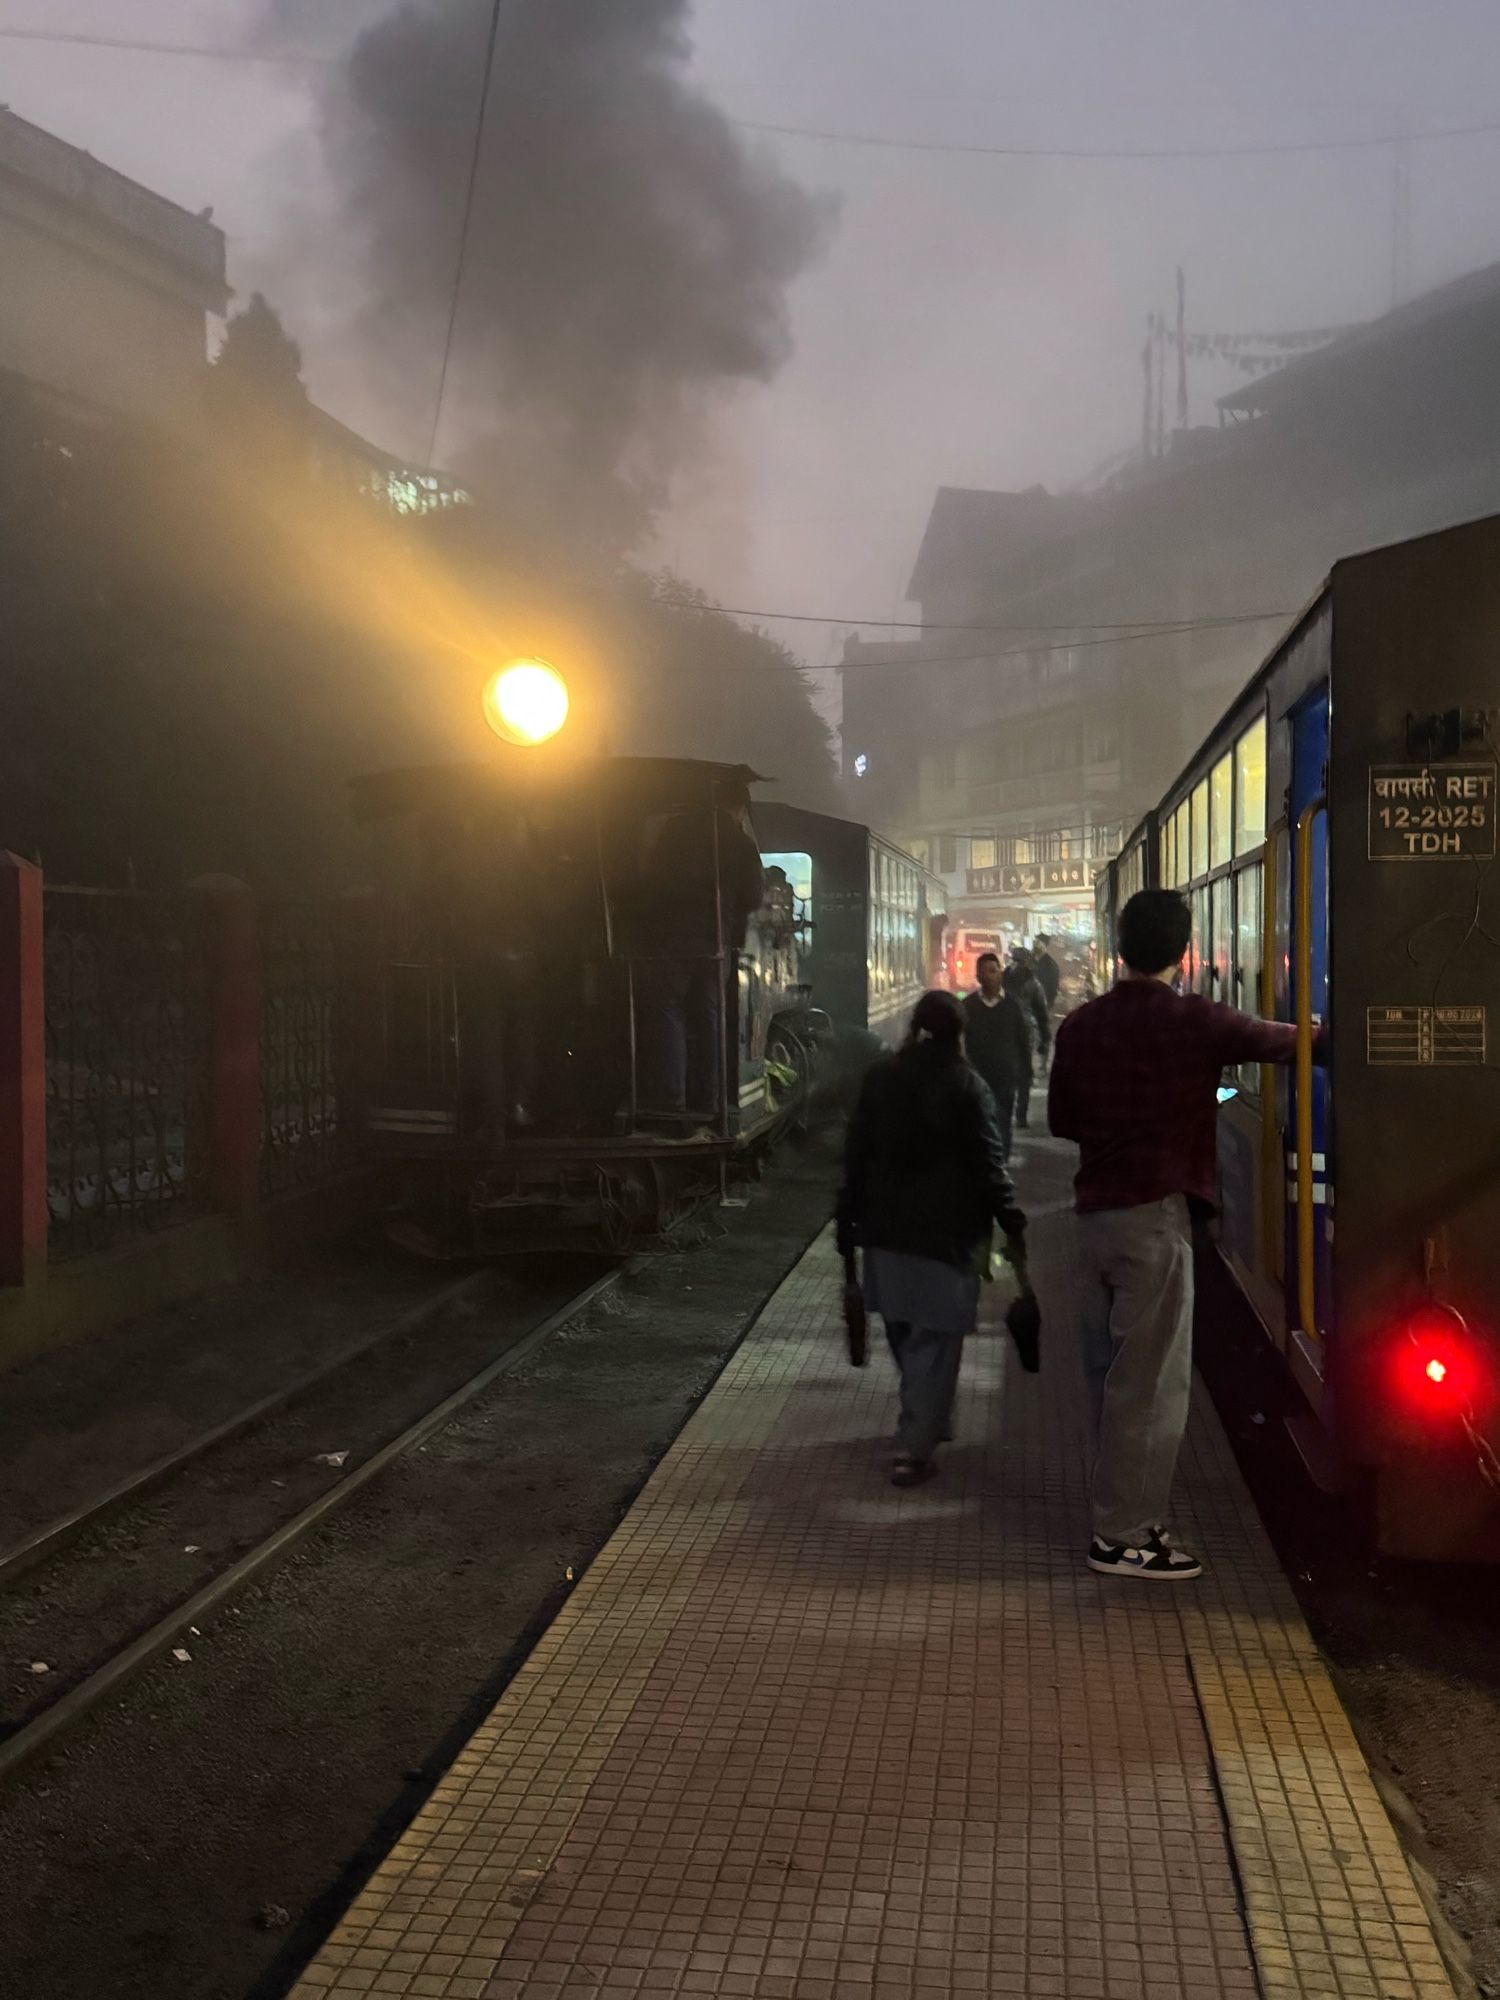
[928, 1365]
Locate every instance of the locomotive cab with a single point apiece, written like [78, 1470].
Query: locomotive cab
[578, 985]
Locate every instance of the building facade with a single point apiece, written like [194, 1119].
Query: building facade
[107, 286]
[1076, 648]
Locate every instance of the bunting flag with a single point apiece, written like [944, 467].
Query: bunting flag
[1275, 343]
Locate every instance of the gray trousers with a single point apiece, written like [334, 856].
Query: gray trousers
[1136, 1296]
[928, 1365]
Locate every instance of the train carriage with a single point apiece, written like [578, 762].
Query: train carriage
[875, 916]
[1335, 839]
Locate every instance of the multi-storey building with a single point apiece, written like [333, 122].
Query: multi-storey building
[1075, 648]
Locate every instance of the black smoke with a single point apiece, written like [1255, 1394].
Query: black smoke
[629, 253]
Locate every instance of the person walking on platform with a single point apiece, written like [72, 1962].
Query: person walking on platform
[1023, 986]
[998, 1042]
[924, 1183]
[1048, 971]
[1135, 1083]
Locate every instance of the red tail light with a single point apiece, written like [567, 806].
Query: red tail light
[1437, 1365]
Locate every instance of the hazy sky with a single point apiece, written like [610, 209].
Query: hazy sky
[975, 321]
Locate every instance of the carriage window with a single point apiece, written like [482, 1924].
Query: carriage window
[1250, 789]
[1182, 846]
[1168, 852]
[1195, 973]
[1222, 985]
[1200, 828]
[1249, 892]
[1221, 803]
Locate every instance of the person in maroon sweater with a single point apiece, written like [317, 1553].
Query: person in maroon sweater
[1135, 1082]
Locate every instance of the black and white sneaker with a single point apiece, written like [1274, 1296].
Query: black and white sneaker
[1155, 1560]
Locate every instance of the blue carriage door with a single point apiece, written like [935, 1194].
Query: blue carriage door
[1309, 783]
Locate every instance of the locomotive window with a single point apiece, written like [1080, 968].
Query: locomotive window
[1250, 789]
[798, 869]
[1200, 829]
[1221, 804]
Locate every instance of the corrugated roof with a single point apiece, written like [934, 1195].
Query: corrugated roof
[1474, 292]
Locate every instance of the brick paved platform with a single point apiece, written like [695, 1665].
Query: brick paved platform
[798, 1736]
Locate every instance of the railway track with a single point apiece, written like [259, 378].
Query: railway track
[95, 1597]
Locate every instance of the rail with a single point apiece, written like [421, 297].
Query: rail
[1307, 1215]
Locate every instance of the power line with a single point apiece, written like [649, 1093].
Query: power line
[886, 142]
[680, 603]
[924, 660]
[463, 231]
[204, 51]
[880, 141]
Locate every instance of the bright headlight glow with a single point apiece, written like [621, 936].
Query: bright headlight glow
[526, 701]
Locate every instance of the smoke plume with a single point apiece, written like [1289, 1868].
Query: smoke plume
[629, 253]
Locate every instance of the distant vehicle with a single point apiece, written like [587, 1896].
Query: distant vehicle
[965, 949]
[1335, 839]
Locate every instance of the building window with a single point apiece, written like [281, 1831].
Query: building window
[1104, 745]
[981, 853]
[947, 855]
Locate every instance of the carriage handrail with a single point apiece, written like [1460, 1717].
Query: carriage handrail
[1271, 1136]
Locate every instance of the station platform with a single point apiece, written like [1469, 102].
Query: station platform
[798, 1735]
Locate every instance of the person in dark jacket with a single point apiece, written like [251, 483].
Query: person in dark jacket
[701, 883]
[924, 1182]
[1022, 984]
[998, 1042]
[1048, 971]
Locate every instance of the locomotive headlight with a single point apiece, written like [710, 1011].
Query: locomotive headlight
[526, 702]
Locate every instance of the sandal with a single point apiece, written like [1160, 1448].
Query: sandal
[909, 1471]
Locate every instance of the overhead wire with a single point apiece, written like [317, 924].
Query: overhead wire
[463, 229]
[879, 141]
[888, 142]
[136, 45]
[922, 660]
[684, 603]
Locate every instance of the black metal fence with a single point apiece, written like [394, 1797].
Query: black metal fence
[126, 1016]
[306, 960]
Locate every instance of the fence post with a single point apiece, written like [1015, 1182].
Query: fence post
[23, 1076]
[233, 1067]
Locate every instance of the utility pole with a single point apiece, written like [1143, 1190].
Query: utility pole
[1148, 372]
[1400, 220]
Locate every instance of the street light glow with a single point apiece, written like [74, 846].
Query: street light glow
[526, 701]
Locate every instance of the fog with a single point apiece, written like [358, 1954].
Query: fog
[917, 319]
